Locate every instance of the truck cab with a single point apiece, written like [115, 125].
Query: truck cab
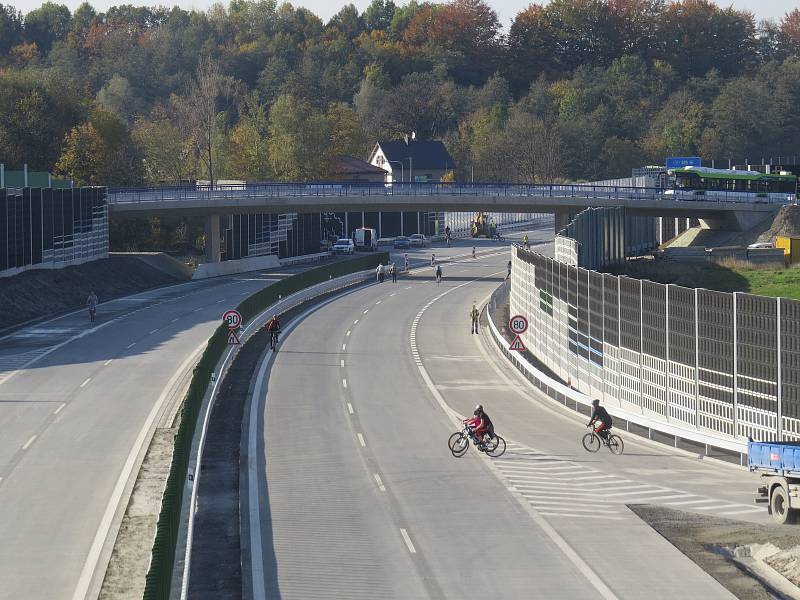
[779, 466]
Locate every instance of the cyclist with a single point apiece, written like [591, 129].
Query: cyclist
[479, 425]
[274, 328]
[92, 302]
[474, 315]
[600, 414]
[438, 273]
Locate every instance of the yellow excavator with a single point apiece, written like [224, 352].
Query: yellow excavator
[483, 225]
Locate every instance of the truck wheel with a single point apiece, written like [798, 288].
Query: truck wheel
[779, 505]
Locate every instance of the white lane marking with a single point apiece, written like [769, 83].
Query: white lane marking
[29, 442]
[543, 524]
[552, 506]
[344, 347]
[739, 512]
[348, 333]
[131, 345]
[407, 540]
[219, 301]
[175, 319]
[361, 441]
[86, 382]
[378, 302]
[366, 311]
[108, 362]
[392, 294]
[379, 481]
[706, 501]
[90, 564]
[355, 322]
[574, 516]
[60, 408]
[344, 383]
[350, 408]
[341, 363]
[153, 331]
[408, 288]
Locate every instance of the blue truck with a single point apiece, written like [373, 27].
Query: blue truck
[779, 466]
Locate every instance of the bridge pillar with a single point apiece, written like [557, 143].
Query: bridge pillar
[735, 220]
[213, 239]
[563, 218]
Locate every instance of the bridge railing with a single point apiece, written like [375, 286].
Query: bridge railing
[332, 189]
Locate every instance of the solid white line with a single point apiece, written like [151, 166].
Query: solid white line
[344, 383]
[574, 516]
[348, 333]
[85, 383]
[592, 509]
[153, 331]
[739, 512]
[341, 363]
[108, 362]
[407, 540]
[60, 408]
[28, 443]
[89, 565]
[361, 440]
[131, 345]
[378, 480]
[350, 408]
[706, 501]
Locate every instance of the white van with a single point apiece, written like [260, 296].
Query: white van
[366, 239]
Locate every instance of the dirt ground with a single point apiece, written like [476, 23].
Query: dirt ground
[43, 292]
[703, 538]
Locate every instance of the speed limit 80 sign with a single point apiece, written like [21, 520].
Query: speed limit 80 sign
[518, 324]
[232, 319]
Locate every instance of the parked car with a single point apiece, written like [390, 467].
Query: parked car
[344, 246]
[402, 242]
[418, 240]
[760, 245]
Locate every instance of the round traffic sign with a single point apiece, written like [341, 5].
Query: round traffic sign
[232, 319]
[518, 324]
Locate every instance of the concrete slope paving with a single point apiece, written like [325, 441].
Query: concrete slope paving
[364, 497]
[70, 421]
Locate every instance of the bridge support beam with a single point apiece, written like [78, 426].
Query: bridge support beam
[213, 239]
[736, 220]
[563, 218]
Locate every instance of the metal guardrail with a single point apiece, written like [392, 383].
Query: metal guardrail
[284, 190]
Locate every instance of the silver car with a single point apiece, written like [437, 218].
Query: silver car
[418, 240]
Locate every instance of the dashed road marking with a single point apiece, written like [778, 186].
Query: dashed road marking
[153, 331]
[366, 311]
[131, 345]
[344, 383]
[407, 540]
[378, 302]
[108, 362]
[348, 333]
[199, 309]
[175, 319]
[60, 408]
[344, 347]
[350, 408]
[86, 382]
[355, 322]
[29, 442]
[379, 481]
[361, 441]
[341, 363]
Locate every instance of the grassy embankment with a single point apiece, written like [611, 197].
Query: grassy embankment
[733, 278]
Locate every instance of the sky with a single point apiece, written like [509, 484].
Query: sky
[506, 9]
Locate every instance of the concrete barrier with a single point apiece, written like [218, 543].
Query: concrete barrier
[232, 267]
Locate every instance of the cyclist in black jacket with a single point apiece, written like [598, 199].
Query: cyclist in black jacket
[600, 414]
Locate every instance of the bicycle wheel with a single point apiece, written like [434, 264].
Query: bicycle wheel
[453, 439]
[498, 448]
[591, 442]
[615, 444]
[460, 446]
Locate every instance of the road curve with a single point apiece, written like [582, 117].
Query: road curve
[360, 498]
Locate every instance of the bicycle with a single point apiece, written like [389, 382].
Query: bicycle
[273, 340]
[494, 446]
[592, 442]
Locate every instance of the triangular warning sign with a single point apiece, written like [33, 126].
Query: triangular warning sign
[517, 345]
[232, 339]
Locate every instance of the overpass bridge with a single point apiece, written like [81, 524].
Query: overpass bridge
[564, 201]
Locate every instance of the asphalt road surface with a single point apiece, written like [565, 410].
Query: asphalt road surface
[359, 497]
[74, 400]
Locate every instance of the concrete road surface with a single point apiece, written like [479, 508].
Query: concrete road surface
[359, 496]
[74, 401]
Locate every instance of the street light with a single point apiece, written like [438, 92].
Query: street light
[402, 169]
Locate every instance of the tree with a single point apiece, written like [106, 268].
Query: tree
[347, 136]
[200, 111]
[298, 141]
[379, 14]
[10, 28]
[118, 96]
[100, 152]
[167, 156]
[249, 143]
[47, 24]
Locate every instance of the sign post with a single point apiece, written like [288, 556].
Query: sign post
[518, 325]
[676, 162]
[233, 320]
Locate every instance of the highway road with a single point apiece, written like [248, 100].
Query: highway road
[357, 495]
[75, 402]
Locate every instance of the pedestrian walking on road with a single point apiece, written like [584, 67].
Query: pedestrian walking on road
[474, 315]
[393, 271]
[509, 271]
[379, 273]
[433, 260]
[405, 262]
[438, 274]
[525, 242]
[91, 302]
[473, 252]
